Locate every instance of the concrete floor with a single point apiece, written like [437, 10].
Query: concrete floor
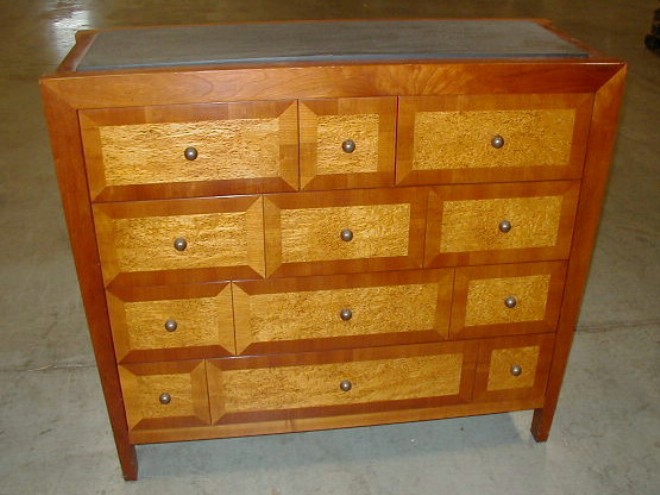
[54, 432]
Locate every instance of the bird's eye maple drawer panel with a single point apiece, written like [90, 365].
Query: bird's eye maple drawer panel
[280, 229]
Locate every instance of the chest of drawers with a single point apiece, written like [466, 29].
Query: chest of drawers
[358, 223]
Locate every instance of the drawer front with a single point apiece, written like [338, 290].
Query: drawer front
[171, 322]
[513, 368]
[492, 138]
[344, 231]
[339, 382]
[181, 241]
[170, 151]
[342, 311]
[347, 142]
[500, 223]
[507, 299]
[165, 395]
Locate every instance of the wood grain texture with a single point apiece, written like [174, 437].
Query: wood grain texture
[236, 143]
[325, 124]
[501, 361]
[387, 308]
[203, 314]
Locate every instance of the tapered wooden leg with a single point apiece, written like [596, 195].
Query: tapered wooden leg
[542, 423]
[128, 461]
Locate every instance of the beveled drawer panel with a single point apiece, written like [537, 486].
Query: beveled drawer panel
[336, 382]
[492, 138]
[171, 322]
[500, 223]
[342, 311]
[507, 299]
[165, 395]
[193, 240]
[513, 367]
[344, 231]
[347, 142]
[191, 150]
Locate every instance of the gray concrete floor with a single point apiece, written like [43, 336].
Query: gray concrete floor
[54, 432]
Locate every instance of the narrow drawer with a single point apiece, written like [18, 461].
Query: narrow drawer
[507, 299]
[160, 323]
[191, 150]
[361, 310]
[500, 223]
[347, 142]
[165, 395]
[513, 368]
[344, 231]
[492, 138]
[180, 241]
[339, 382]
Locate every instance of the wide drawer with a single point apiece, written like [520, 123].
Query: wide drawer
[500, 223]
[492, 138]
[344, 231]
[191, 150]
[342, 311]
[180, 241]
[339, 382]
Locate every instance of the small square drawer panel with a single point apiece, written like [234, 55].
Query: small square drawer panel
[355, 381]
[507, 299]
[165, 395]
[180, 241]
[344, 231]
[342, 311]
[347, 142]
[191, 150]
[492, 138]
[158, 323]
[500, 223]
[513, 368]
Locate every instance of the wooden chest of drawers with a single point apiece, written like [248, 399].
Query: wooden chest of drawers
[325, 234]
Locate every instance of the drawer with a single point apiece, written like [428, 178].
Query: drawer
[160, 323]
[359, 310]
[180, 241]
[339, 382]
[165, 395]
[347, 142]
[507, 299]
[500, 223]
[191, 150]
[513, 368]
[492, 138]
[344, 231]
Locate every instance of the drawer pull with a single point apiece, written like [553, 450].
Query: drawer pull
[171, 325]
[190, 153]
[347, 235]
[497, 141]
[510, 302]
[165, 398]
[516, 370]
[346, 314]
[348, 146]
[346, 385]
[180, 244]
[505, 226]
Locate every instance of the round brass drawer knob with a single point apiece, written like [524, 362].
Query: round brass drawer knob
[505, 226]
[190, 153]
[497, 141]
[347, 235]
[348, 146]
[165, 398]
[346, 385]
[346, 314]
[516, 370]
[510, 302]
[180, 244]
[171, 325]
